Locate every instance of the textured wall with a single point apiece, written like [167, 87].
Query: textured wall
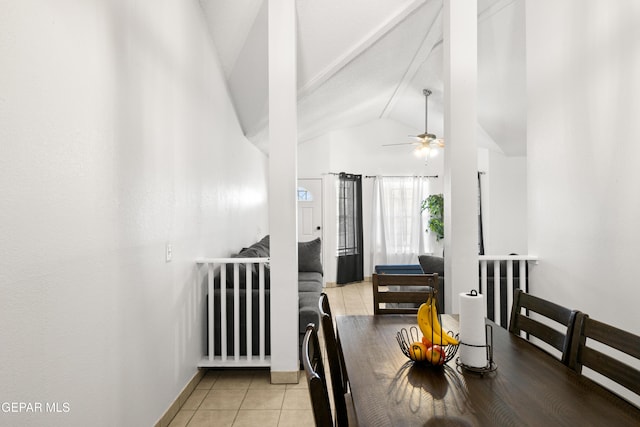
[117, 137]
[583, 63]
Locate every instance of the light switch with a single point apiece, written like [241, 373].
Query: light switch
[168, 252]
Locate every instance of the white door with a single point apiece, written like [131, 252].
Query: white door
[309, 209]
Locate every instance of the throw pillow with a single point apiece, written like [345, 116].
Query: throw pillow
[432, 264]
[309, 256]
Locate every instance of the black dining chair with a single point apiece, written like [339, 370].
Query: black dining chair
[583, 353]
[339, 379]
[316, 380]
[403, 293]
[559, 338]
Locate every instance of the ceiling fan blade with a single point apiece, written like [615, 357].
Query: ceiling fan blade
[401, 143]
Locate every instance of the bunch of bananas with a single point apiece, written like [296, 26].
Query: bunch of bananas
[430, 325]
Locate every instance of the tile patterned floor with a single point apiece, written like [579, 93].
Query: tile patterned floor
[237, 398]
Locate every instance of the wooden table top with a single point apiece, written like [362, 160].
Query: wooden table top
[529, 387]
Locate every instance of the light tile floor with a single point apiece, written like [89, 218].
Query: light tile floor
[236, 398]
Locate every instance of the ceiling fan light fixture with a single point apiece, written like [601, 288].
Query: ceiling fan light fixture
[427, 137]
[422, 152]
[426, 144]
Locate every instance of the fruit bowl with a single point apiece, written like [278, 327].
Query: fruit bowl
[418, 351]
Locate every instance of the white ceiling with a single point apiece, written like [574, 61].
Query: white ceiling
[361, 60]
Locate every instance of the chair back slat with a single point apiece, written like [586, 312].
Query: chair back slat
[565, 317]
[403, 293]
[544, 332]
[613, 337]
[316, 380]
[336, 362]
[582, 354]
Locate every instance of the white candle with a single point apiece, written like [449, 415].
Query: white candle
[472, 330]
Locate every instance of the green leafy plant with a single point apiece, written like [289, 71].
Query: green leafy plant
[435, 205]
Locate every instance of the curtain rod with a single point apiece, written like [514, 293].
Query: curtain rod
[390, 176]
[402, 176]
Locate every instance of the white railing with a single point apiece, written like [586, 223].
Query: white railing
[486, 283]
[220, 357]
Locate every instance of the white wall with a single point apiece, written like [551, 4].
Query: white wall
[505, 208]
[583, 77]
[117, 137]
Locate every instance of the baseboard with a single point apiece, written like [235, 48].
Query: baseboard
[170, 413]
[285, 377]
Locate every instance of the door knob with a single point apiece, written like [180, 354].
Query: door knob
[318, 228]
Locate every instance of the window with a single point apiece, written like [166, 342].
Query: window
[348, 219]
[398, 225]
[304, 195]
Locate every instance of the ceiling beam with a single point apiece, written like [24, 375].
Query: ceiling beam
[430, 40]
[258, 131]
[369, 40]
[494, 8]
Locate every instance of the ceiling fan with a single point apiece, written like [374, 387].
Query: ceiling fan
[426, 141]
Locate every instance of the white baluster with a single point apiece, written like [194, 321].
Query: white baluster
[236, 311]
[261, 312]
[248, 298]
[483, 276]
[223, 312]
[523, 275]
[211, 300]
[509, 289]
[496, 291]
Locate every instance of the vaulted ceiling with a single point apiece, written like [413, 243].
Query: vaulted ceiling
[361, 60]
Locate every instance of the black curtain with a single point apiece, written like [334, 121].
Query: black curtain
[350, 259]
[480, 233]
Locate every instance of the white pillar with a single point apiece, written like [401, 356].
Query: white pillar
[460, 165]
[283, 153]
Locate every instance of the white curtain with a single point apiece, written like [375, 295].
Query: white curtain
[398, 234]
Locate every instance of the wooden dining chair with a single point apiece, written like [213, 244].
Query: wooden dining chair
[339, 379]
[584, 354]
[523, 322]
[316, 380]
[403, 293]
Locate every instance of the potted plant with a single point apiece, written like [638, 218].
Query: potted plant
[435, 205]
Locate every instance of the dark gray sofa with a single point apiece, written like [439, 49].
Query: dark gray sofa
[310, 276]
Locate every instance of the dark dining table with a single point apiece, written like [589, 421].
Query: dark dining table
[529, 387]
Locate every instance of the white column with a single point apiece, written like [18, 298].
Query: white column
[282, 191]
[460, 164]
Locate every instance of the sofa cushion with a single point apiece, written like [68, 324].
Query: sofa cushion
[309, 256]
[432, 264]
[257, 250]
[308, 314]
[310, 275]
[309, 286]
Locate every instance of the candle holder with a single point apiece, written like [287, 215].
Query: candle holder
[491, 365]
